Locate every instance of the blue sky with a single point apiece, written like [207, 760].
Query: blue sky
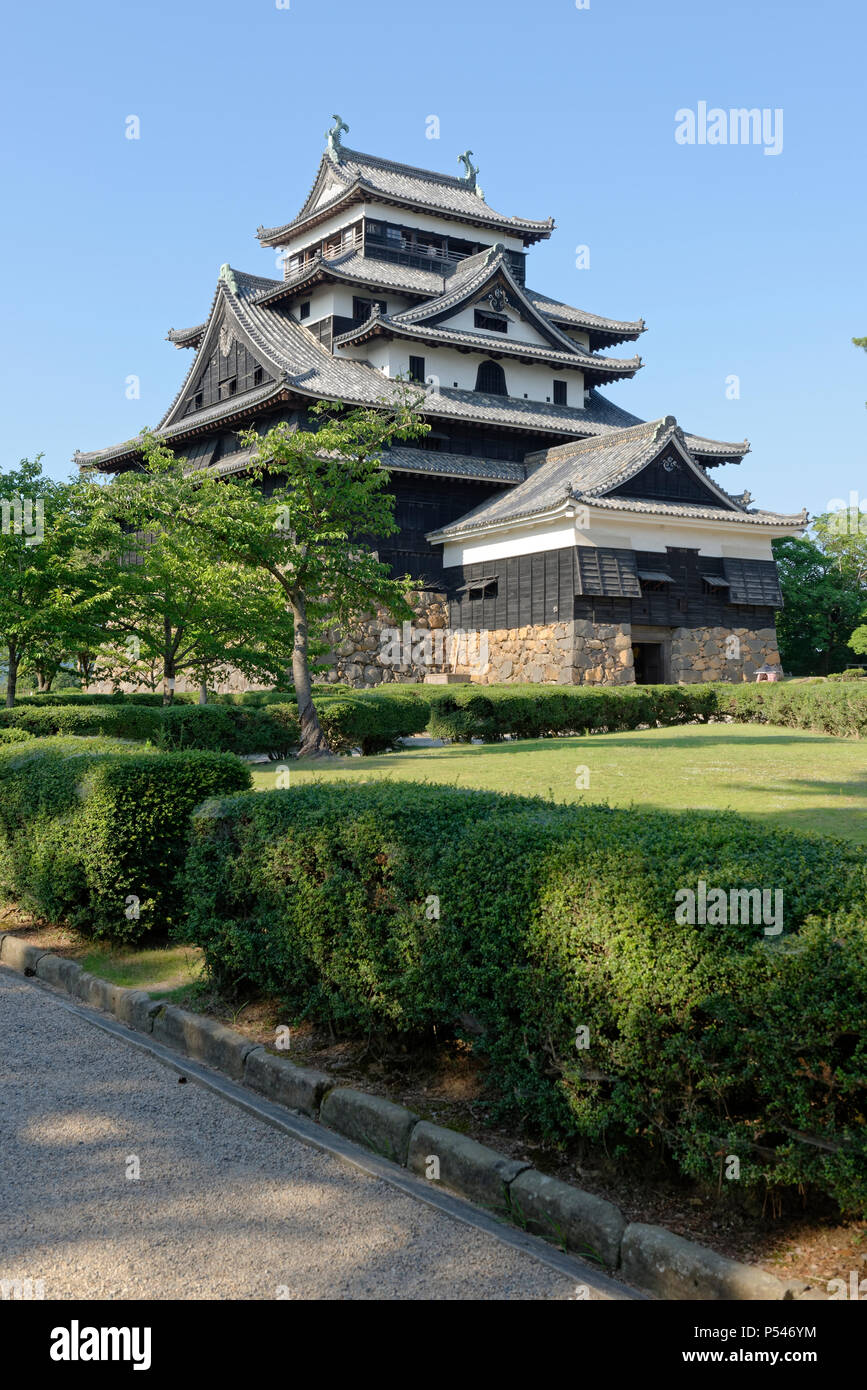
[743, 264]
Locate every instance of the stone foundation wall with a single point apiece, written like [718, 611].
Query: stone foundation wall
[603, 653]
[368, 654]
[565, 653]
[721, 654]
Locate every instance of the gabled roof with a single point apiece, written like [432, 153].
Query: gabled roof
[608, 368]
[353, 177]
[587, 472]
[354, 268]
[429, 322]
[303, 371]
[470, 280]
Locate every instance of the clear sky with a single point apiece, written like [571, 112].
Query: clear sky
[743, 263]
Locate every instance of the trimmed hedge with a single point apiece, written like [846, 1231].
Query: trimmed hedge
[369, 721]
[138, 722]
[92, 828]
[408, 908]
[490, 712]
[348, 721]
[218, 728]
[832, 709]
[82, 698]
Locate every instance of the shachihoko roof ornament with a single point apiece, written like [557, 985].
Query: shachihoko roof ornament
[333, 136]
[472, 172]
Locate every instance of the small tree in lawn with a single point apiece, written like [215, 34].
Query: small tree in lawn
[331, 500]
[306, 515]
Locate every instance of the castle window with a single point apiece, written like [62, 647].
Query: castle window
[258, 376]
[197, 402]
[491, 378]
[479, 588]
[416, 369]
[560, 391]
[654, 581]
[228, 388]
[493, 323]
[304, 311]
[361, 307]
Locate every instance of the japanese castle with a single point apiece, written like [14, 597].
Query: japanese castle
[588, 546]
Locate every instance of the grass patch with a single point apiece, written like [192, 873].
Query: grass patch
[161, 970]
[794, 779]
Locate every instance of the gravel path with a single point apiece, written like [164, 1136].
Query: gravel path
[225, 1206]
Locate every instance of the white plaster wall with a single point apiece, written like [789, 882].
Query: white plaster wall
[450, 366]
[519, 328]
[734, 540]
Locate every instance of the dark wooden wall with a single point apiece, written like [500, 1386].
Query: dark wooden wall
[534, 589]
[238, 363]
[422, 504]
[679, 484]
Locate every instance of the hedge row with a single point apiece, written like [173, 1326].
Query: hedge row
[348, 721]
[832, 709]
[408, 909]
[266, 721]
[215, 727]
[94, 832]
[465, 712]
[83, 699]
[489, 712]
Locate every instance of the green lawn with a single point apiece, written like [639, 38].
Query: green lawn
[796, 779]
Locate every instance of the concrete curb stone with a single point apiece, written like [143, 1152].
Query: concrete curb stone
[57, 970]
[135, 1008]
[204, 1039]
[583, 1222]
[18, 955]
[93, 990]
[376, 1123]
[673, 1268]
[472, 1169]
[278, 1079]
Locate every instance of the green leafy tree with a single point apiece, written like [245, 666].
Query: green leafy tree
[824, 584]
[51, 589]
[304, 519]
[182, 607]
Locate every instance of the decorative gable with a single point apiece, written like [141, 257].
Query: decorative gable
[229, 369]
[669, 478]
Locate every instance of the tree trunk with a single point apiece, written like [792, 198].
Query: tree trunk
[313, 741]
[12, 675]
[203, 692]
[85, 664]
[43, 682]
[168, 665]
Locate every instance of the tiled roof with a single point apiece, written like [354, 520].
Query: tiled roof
[398, 327]
[353, 268]
[587, 471]
[407, 460]
[606, 331]
[302, 367]
[187, 337]
[358, 174]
